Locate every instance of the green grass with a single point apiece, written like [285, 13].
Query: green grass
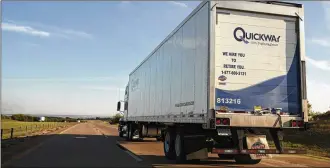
[26, 128]
[316, 140]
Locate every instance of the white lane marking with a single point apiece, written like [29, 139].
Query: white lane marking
[129, 152]
[68, 129]
[133, 156]
[80, 137]
[99, 130]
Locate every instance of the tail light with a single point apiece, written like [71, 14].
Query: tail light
[222, 121]
[218, 121]
[298, 123]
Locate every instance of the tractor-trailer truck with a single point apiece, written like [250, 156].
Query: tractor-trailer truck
[227, 79]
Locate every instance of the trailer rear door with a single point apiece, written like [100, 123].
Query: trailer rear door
[256, 62]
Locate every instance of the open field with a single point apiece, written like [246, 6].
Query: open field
[316, 140]
[19, 128]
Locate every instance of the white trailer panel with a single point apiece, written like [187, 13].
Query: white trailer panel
[242, 82]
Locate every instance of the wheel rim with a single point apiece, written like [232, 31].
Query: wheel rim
[178, 145]
[167, 142]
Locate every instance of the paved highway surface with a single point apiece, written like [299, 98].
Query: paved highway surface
[95, 144]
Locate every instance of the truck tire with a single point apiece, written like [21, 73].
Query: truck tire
[179, 147]
[130, 130]
[120, 133]
[246, 159]
[169, 144]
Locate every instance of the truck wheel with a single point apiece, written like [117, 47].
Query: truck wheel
[159, 138]
[179, 148]
[120, 133]
[130, 130]
[226, 156]
[169, 145]
[246, 159]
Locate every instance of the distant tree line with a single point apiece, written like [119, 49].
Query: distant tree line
[314, 115]
[29, 118]
[113, 120]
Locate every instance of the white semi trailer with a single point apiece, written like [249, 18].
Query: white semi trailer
[231, 73]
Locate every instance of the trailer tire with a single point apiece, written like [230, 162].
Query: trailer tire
[246, 159]
[179, 147]
[169, 144]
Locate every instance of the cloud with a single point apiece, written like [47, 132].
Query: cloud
[179, 4]
[78, 33]
[51, 30]
[321, 64]
[314, 91]
[322, 42]
[24, 29]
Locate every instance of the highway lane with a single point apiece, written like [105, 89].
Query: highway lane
[94, 144]
[82, 145]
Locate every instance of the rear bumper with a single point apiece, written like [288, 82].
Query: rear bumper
[266, 121]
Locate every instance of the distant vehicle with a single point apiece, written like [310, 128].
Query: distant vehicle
[227, 75]
[42, 119]
[78, 121]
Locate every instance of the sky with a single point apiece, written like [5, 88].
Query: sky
[72, 58]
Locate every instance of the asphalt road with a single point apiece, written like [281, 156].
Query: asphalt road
[82, 145]
[95, 144]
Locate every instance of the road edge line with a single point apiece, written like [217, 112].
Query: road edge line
[133, 155]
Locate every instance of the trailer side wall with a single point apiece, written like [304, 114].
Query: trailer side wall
[173, 80]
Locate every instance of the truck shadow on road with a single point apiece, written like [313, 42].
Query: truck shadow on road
[75, 150]
[151, 152]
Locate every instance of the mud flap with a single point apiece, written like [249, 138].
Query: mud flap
[195, 148]
[257, 142]
[200, 154]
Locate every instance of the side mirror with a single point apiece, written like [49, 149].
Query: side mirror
[118, 106]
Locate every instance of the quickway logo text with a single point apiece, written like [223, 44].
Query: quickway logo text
[265, 39]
